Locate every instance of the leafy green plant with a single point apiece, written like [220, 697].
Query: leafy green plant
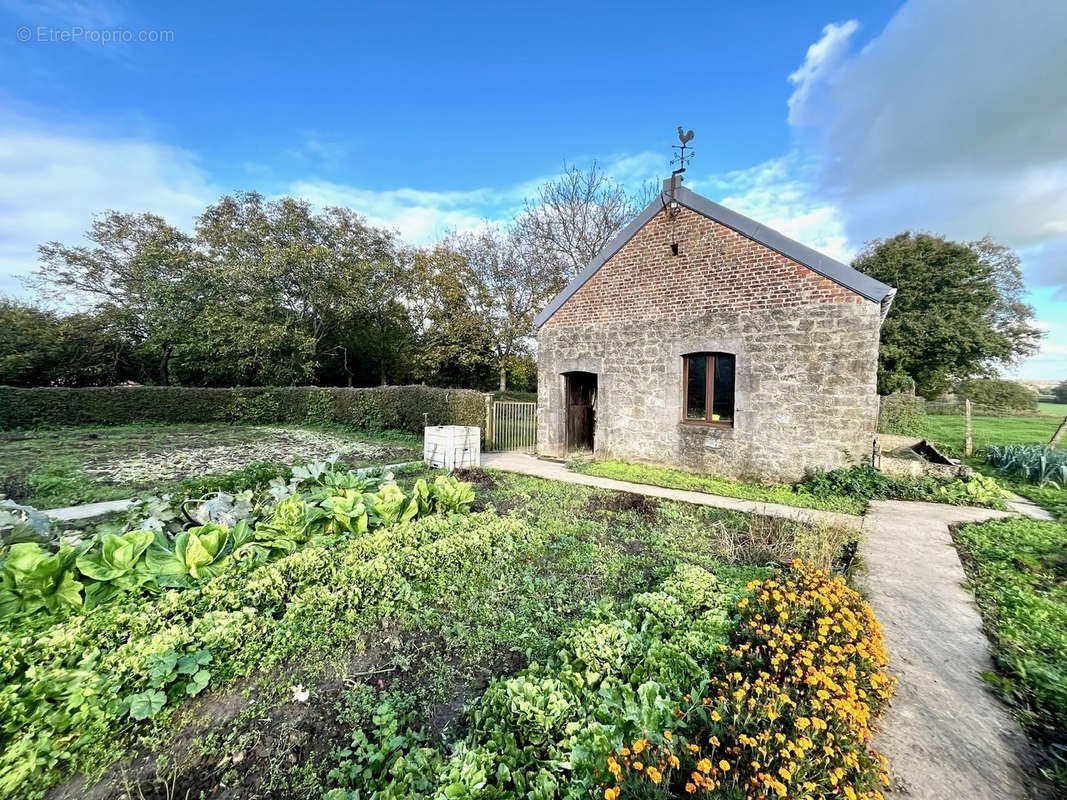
[711, 484]
[198, 553]
[391, 505]
[975, 490]
[391, 761]
[118, 565]
[33, 579]
[867, 483]
[65, 686]
[1042, 466]
[450, 495]
[1018, 569]
[347, 512]
[171, 675]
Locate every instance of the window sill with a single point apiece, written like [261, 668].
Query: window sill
[701, 423]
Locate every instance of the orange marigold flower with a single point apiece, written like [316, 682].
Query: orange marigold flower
[654, 775]
[724, 765]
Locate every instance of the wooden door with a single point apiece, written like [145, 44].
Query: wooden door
[580, 392]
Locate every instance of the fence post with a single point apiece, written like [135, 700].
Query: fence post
[967, 447]
[488, 421]
[1058, 434]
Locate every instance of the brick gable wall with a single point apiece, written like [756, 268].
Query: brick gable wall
[717, 269]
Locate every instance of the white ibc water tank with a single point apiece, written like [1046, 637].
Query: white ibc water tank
[452, 446]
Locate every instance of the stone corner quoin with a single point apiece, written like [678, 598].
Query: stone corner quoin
[805, 348]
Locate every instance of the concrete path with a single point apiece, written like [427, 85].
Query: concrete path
[1028, 508]
[71, 513]
[946, 736]
[553, 470]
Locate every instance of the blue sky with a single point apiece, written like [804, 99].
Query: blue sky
[835, 122]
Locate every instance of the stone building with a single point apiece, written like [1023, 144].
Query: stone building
[700, 339]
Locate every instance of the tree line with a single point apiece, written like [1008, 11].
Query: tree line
[274, 292]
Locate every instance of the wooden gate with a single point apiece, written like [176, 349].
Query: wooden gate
[514, 426]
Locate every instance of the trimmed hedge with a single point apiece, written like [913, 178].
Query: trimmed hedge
[903, 414]
[393, 407]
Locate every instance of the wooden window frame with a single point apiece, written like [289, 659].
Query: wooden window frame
[710, 361]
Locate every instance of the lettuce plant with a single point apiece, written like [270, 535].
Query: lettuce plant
[347, 512]
[117, 567]
[391, 505]
[32, 578]
[198, 554]
[451, 495]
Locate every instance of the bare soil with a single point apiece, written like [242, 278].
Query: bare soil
[230, 746]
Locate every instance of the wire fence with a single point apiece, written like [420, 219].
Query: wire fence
[958, 408]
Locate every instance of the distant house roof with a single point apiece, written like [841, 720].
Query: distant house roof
[863, 285]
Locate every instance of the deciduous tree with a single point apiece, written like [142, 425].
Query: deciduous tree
[142, 275]
[571, 218]
[958, 312]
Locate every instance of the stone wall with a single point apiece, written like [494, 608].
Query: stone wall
[804, 389]
[806, 356]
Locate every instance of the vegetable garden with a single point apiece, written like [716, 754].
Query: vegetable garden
[332, 634]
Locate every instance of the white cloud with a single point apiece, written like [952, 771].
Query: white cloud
[951, 120]
[819, 63]
[420, 216]
[423, 216]
[778, 193]
[99, 14]
[52, 182]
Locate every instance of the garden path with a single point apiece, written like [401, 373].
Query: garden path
[554, 470]
[88, 511]
[946, 736]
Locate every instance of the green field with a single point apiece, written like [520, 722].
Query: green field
[948, 431]
[1053, 409]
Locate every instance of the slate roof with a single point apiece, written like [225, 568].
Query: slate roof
[861, 284]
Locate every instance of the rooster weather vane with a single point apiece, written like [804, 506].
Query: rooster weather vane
[681, 158]
[685, 137]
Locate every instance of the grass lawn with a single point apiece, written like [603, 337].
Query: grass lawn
[1018, 571]
[1053, 409]
[725, 487]
[846, 490]
[948, 431]
[55, 468]
[344, 668]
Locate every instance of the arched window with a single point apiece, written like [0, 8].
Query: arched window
[708, 388]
